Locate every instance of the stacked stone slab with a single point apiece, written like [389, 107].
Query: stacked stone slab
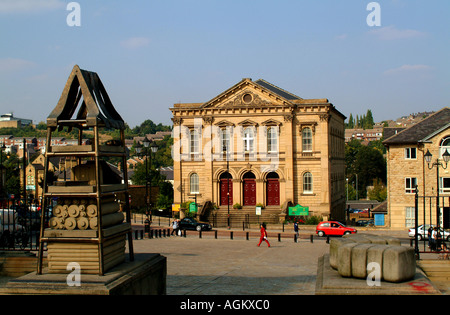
[82, 214]
[78, 218]
[351, 255]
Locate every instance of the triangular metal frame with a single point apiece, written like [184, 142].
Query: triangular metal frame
[96, 108]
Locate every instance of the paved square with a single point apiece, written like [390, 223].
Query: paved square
[222, 266]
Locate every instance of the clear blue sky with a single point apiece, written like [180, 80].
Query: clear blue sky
[151, 54]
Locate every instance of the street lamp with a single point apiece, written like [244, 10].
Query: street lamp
[228, 185]
[446, 157]
[148, 154]
[2, 171]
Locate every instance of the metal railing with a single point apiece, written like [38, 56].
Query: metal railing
[19, 225]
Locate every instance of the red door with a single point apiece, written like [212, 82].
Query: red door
[224, 191]
[273, 192]
[249, 192]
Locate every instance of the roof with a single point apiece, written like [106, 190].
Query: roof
[285, 94]
[95, 108]
[422, 130]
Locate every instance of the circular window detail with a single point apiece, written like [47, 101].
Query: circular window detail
[247, 98]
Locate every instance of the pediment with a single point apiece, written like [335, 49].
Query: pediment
[248, 122]
[247, 94]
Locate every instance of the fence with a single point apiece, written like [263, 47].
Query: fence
[19, 225]
[431, 212]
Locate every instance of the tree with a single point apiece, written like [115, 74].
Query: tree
[368, 120]
[378, 192]
[364, 164]
[351, 122]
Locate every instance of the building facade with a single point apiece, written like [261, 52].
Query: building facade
[407, 168]
[257, 144]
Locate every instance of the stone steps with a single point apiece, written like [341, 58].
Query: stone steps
[438, 271]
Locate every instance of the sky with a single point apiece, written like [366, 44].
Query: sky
[151, 54]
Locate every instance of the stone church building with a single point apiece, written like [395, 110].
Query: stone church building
[258, 145]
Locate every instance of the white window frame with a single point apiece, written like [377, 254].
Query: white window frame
[225, 134]
[194, 184]
[409, 152]
[443, 147]
[410, 216]
[272, 139]
[194, 141]
[308, 187]
[307, 140]
[249, 140]
[444, 189]
[410, 185]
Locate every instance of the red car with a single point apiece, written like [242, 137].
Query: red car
[333, 228]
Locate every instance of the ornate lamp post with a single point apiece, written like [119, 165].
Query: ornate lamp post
[225, 149]
[446, 157]
[148, 155]
[2, 172]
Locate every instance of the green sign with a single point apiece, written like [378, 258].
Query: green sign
[193, 207]
[298, 210]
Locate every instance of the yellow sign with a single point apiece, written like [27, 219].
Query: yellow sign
[176, 207]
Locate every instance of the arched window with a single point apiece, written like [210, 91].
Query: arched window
[445, 145]
[195, 142]
[307, 140]
[272, 139]
[307, 183]
[194, 184]
[248, 139]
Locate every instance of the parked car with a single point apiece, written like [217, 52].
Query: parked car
[192, 224]
[9, 221]
[365, 222]
[333, 228]
[423, 232]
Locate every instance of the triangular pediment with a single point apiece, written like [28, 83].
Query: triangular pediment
[85, 94]
[248, 94]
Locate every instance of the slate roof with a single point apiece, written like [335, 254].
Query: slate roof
[283, 93]
[422, 130]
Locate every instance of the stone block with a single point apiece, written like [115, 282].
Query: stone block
[399, 264]
[375, 255]
[344, 259]
[359, 260]
[335, 243]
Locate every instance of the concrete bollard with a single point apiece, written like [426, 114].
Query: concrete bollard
[344, 260]
[359, 260]
[399, 264]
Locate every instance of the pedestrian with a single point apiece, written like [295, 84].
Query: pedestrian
[263, 235]
[434, 239]
[445, 251]
[430, 230]
[175, 227]
[296, 229]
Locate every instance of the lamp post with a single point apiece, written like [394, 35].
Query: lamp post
[148, 154]
[228, 185]
[446, 157]
[2, 171]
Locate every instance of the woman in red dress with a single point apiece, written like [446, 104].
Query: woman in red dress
[263, 235]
